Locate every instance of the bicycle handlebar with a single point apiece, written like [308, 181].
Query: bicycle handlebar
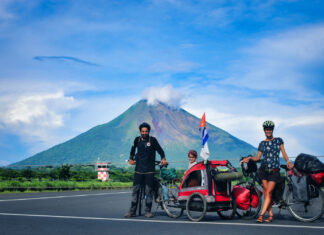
[158, 163]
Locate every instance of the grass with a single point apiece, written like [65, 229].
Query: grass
[47, 185]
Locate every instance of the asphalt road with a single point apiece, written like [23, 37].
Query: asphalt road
[102, 212]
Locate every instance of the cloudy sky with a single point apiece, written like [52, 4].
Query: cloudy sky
[66, 66]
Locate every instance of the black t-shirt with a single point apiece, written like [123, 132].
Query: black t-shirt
[145, 156]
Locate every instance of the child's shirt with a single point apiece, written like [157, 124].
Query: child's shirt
[191, 164]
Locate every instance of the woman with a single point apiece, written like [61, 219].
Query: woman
[269, 171]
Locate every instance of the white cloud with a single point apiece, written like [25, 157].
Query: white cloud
[280, 61]
[31, 109]
[166, 94]
[300, 126]
[34, 115]
[42, 115]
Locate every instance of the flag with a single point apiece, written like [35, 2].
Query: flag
[204, 152]
[202, 122]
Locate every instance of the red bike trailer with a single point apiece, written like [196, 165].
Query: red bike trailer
[200, 191]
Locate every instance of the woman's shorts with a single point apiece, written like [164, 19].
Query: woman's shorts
[269, 174]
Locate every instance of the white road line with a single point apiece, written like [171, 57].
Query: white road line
[164, 221]
[42, 198]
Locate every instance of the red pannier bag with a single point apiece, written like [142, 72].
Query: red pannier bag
[318, 178]
[241, 196]
[255, 199]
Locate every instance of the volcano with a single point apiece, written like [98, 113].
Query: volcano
[176, 130]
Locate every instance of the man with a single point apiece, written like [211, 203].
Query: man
[146, 146]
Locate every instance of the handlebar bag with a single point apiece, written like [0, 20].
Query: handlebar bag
[168, 174]
[249, 167]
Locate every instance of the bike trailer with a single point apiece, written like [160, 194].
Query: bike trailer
[198, 179]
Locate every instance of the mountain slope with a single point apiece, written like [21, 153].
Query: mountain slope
[176, 130]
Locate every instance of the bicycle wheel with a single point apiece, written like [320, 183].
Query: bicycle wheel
[228, 213]
[170, 201]
[254, 202]
[141, 199]
[307, 211]
[196, 207]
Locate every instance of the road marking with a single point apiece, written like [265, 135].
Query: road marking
[43, 198]
[165, 221]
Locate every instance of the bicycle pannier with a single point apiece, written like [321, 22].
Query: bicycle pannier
[254, 198]
[299, 186]
[308, 164]
[318, 178]
[278, 190]
[241, 196]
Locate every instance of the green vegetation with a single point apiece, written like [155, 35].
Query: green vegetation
[65, 178]
[62, 178]
[35, 185]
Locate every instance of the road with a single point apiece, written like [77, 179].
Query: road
[102, 212]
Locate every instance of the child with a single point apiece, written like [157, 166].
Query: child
[192, 155]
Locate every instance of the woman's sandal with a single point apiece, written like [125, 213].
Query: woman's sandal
[269, 219]
[260, 219]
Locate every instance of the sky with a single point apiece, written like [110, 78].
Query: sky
[67, 66]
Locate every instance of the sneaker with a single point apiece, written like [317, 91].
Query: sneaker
[130, 214]
[148, 214]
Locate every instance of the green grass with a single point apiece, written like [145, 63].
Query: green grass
[47, 185]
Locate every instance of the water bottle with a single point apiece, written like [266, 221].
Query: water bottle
[165, 192]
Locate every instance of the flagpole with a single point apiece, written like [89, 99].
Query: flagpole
[204, 152]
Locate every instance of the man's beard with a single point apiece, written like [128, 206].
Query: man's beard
[144, 136]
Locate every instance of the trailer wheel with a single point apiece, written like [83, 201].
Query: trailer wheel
[196, 207]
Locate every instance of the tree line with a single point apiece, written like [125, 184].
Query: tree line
[64, 172]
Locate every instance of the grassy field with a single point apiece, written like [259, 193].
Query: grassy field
[35, 185]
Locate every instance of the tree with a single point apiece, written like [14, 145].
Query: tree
[64, 172]
[27, 173]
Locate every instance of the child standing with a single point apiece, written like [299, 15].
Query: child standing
[192, 155]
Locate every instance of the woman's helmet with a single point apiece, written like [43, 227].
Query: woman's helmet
[144, 124]
[268, 125]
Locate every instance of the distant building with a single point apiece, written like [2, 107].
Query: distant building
[103, 170]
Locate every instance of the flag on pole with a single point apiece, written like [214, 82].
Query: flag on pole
[204, 152]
